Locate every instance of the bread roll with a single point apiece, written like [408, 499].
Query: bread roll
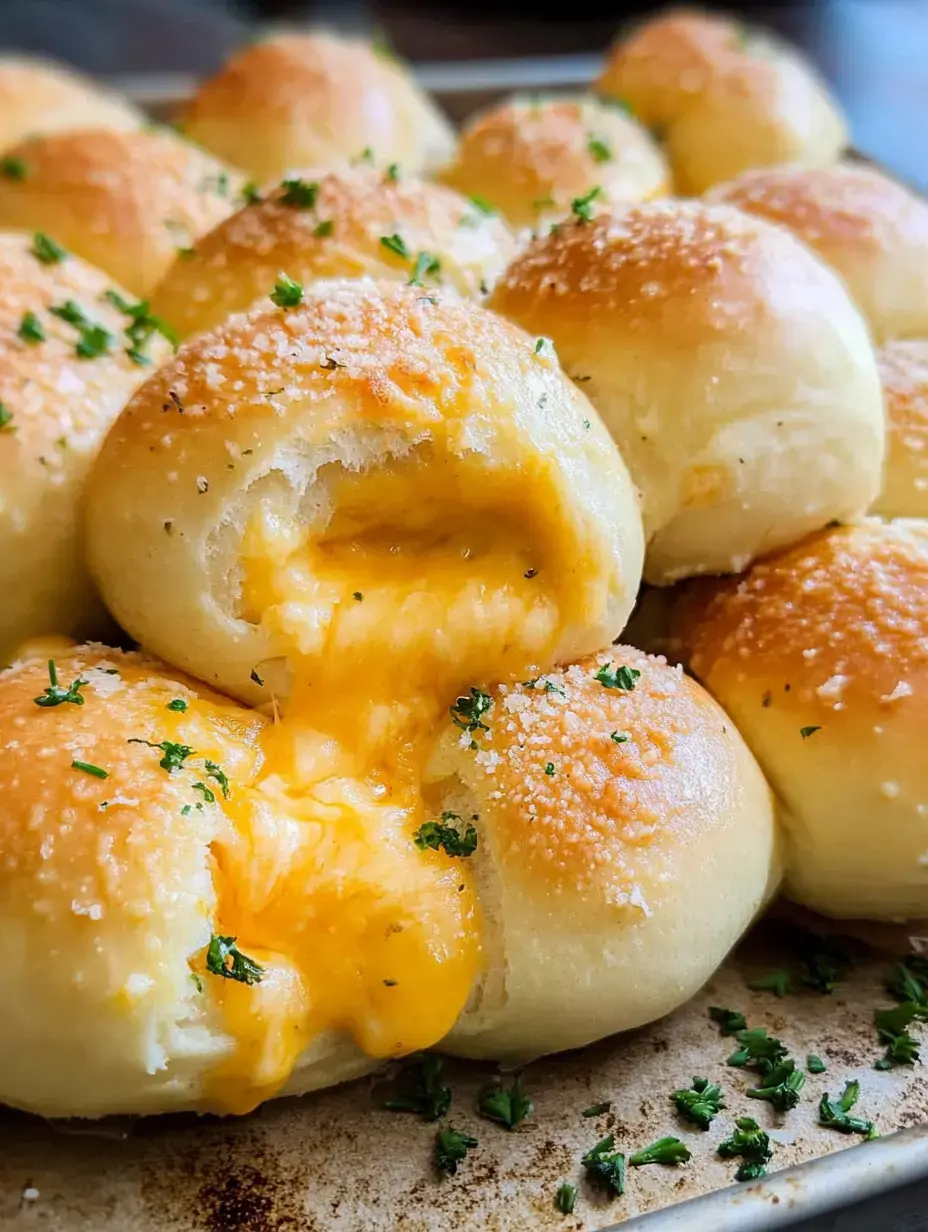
[530, 159]
[339, 224]
[61, 386]
[820, 655]
[904, 371]
[314, 100]
[731, 366]
[600, 807]
[723, 98]
[388, 442]
[38, 96]
[125, 201]
[870, 229]
[144, 823]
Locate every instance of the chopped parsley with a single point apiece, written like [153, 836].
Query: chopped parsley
[451, 1147]
[699, 1104]
[426, 267]
[251, 193]
[6, 419]
[619, 737]
[173, 755]
[892, 1030]
[93, 340]
[815, 1064]
[824, 961]
[806, 732]
[45, 249]
[178, 705]
[539, 344]
[605, 1166]
[620, 677]
[663, 1151]
[56, 695]
[142, 327]
[225, 958]
[566, 1198]
[31, 328]
[208, 795]
[440, 835]
[256, 678]
[907, 980]
[299, 194]
[777, 982]
[89, 769]
[421, 1089]
[581, 207]
[324, 228]
[730, 1022]
[392, 173]
[750, 1144]
[549, 769]
[467, 712]
[599, 149]
[216, 772]
[782, 1086]
[286, 293]
[597, 1109]
[396, 244]
[12, 168]
[834, 1114]
[758, 1049]
[506, 1106]
[618, 104]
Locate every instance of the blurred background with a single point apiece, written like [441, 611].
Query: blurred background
[875, 52]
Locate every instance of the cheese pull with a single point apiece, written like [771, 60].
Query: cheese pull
[183, 927]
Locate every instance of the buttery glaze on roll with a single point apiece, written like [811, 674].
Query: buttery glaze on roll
[39, 96]
[383, 471]
[869, 228]
[65, 374]
[600, 789]
[723, 98]
[904, 371]
[820, 655]
[735, 373]
[143, 830]
[531, 159]
[353, 223]
[314, 100]
[125, 201]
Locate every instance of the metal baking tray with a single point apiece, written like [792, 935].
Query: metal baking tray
[336, 1161]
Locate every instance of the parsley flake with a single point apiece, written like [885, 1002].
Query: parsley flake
[396, 244]
[392, 173]
[663, 1151]
[892, 1030]
[566, 1198]
[89, 769]
[549, 769]
[12, 168]
[451, 1147]
[31, 328]
[833, 1114]
[730, 1022]
[177, 704]
[782, 1086]
[6, 419]
[620, 677]
[45, 249]
[93, 339]
[806, 732]
[225, 958]
[506, 1106]
[324, 228]
[751, 1145]
[439, 835]
[208, 795]
[56, 695]
[605, 1166]
[286, 293]
[216, 772]
[142, 327]
[597, 1109]
[758, 1049]
[815, 1064]
[777, 982]
[619, 737]
[173, 755]
[467, 712]
[421, 1089]
[700, 1103]
[598, 148]
[426, 266]
[581, 207]
[299, 194]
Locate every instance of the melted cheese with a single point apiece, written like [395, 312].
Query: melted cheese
[410, 593]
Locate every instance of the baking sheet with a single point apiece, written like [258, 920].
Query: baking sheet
[335, 1161]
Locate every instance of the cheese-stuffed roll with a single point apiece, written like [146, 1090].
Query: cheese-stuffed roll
[601, 794]
[127, 202]
[178, 931]
[72, 350]
[731, 365]
[723, 97]
[350, 223]
[39, 96]
[531, 159]
[376, 475]
[904, 371]
[869, 228]
[820, 655]
[315, 100]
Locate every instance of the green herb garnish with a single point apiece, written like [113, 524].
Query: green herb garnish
[142, 327]
[777, 982]
[619, 737]
[730, 1021]
[598, 148]
[89, 769]
[782, 1086]
[892, 1030]
[833, 1114]
[31, 328]
[45, 249]
[225, 958]
[56, 695]
[467, 712]
[286, 293]
[700, 1103]
[12, 168]
[605, 1166]
[451, 1147]
[93, 340]
[439, 835]
[420, 1088]
[6, 419]
[757, 1048]
[299, 194]
[426, 266]
[581, 207]
[620, 677]
[208, 795]
[178, 705]
[174, 755]
[752, 1145]
[663, 1151]
[806, 732]
[597, 1109]
[396, 244]
[815, 1064]
[566, 1198]
[324, 228]
[505, 1105]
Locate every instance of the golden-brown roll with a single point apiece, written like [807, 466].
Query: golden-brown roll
[125, 201]
[869, 228]
[820, 655]
[602, 791]
[351, 223]
[38, 96]
[734, 371]
[143, 832]
[64, 376]
[904, 372]
[723, 98]
[315, 100]
[530, 159]
[389, 442]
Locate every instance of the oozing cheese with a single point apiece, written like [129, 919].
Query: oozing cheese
[412, 591]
